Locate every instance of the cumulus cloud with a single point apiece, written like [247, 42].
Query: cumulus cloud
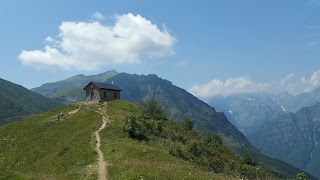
[312, 82]
[98, 16]
[240, 84]
[243, 84]
[90, 45]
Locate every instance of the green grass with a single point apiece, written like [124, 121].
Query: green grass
[42, 147]
[132, 159]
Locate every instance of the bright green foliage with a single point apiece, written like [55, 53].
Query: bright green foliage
[301, 176]
[152, 110]
[145, 121]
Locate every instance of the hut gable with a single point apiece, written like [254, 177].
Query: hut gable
[97, 91]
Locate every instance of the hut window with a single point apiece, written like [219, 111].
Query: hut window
[105, 94]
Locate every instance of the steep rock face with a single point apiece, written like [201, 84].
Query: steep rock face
[293, 138]
[17, 101]
[250, 111]
[294, 103]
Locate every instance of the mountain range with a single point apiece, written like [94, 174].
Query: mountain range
[267, 118]
[250, 111]
[177, 104]
[17, 101]
[293, 138]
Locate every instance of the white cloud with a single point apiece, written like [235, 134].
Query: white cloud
[98, 16]
[91, 45]
[310, 83]
[49, 39]
[240, 84]
[243, 84]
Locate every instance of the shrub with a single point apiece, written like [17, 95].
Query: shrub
[144, 122]
[186, 123]
[152, 110]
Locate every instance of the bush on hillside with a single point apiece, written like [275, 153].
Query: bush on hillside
[146, 121]
[186, 123]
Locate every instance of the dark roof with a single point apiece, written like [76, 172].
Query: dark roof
[105, 86]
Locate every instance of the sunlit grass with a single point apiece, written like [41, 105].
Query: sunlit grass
[132, 159]
[43, 147]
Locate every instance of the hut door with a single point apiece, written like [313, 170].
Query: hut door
[91, 95]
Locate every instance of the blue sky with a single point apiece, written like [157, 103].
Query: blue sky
[207, 47]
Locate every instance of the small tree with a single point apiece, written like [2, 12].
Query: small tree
[247, 159]
[152, 109]
[186, 123]
[144, 122]
[134, 126]
[301, 176]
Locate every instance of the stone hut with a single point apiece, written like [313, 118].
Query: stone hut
[96, 91]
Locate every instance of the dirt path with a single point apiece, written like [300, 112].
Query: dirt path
[73, 112]
[101, 162]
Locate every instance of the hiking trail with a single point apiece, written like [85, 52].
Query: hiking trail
[101, 162]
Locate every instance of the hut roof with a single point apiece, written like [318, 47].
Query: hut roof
[104, 86]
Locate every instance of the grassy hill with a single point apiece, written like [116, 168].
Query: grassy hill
[178, 104]
[17, 101]
[45, 147]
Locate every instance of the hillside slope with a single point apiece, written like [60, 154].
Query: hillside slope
[293, 138]
[70, 90]
[44, 147]
[17, 101]
[47, 147]
[178, 104]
